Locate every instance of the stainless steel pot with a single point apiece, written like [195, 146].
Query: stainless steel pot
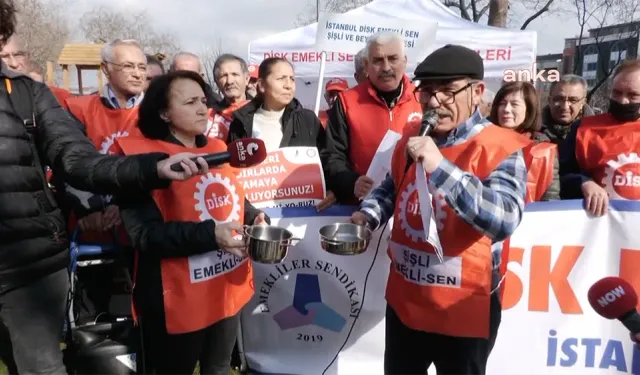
[268, 244]
[345, 238]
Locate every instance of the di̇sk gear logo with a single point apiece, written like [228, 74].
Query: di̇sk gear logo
[622, 177]
[414, 116]
[110, 140]
[410, 212]
[216, 199]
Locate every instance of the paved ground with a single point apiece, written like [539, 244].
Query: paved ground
[3, 371]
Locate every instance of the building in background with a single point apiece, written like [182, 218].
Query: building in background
[595, 56]
[547, 63]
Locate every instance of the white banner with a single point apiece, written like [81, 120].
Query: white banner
[547, 325]
[310, 314]
[500, 49]
[289, 177]
[349, 32]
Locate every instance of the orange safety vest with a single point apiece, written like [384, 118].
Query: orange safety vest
[539, 158]
[608, 151]
[369, 119]
[452, 298]
[200, 290]
[61, 94]
[219, 122]
[104, 124]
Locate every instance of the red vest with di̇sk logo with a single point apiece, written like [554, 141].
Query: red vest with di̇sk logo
[450, 298]
[369, 119]
[607, 151]
[202, 289]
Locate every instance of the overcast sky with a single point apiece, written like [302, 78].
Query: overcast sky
[237, 22]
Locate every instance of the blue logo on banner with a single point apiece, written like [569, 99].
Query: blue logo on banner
[308, 308]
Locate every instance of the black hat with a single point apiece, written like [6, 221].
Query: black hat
[450, 62]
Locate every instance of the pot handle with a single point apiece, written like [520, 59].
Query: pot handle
[291, 242]
[245, 232]
[331, 242]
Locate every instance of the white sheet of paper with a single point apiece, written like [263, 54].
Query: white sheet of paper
[381, 163]
[426, 209]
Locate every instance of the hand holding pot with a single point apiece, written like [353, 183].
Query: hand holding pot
[226, 238]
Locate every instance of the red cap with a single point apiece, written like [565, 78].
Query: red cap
[337, 84]
[246, 152]
[253, 71]
[612, 297]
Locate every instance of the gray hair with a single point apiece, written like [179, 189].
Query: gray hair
[227, 57]
[174, 60]
[358, 60]
[108, 51]
[383, 38]
[570, 79]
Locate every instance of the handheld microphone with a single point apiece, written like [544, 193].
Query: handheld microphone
[429, 121]
[243, 153]
[614, 298]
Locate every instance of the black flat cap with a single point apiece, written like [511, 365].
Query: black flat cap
[450, 62]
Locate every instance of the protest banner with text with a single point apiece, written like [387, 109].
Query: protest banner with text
[348, 33]
[318, 313]
[289, 177]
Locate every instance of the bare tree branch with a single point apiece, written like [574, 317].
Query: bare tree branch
[44, 30]
[103, 25]
[537, 14]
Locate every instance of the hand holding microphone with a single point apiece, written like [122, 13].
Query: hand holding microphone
[243, 153]
[422, 147]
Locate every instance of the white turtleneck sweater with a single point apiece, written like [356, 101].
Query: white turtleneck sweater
[267, 127]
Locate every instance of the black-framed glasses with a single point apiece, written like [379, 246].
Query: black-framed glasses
[129, 67]
[424, 95]
[560, 100]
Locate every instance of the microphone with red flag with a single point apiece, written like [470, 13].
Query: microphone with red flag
[614, 298]
[243, 153]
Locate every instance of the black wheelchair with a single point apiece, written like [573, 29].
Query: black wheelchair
[105, 347]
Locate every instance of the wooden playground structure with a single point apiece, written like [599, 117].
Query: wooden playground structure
[84, 57]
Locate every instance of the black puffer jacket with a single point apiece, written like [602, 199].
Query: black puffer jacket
[300, 126]
[32, 231]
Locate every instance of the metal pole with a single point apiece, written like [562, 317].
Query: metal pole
[317, 10]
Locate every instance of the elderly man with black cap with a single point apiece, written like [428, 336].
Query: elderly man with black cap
[446, 311]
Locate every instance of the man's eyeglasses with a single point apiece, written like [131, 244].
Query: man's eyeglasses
[560, 100]
[423, 94]
[130, 68]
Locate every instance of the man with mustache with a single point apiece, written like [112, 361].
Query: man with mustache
[231, 74]
[361, 117]
[601, 151]
[447, 311]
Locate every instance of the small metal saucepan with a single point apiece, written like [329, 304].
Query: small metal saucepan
[268, 244]
[345, 238]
